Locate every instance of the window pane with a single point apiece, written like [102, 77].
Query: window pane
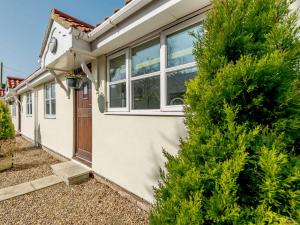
[146, 93]
[146, 58]
[117, 68]
[53, 107]
[180, 46]
[176, 85]
[47, 92]
[85, 89]
[14, 109]
[53, 90]
[117, 95]
[47, 107]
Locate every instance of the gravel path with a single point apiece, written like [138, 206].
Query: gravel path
[88, 203]
[29, 164]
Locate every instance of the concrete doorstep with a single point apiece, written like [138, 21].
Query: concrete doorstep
[71, 172]
[24, 188]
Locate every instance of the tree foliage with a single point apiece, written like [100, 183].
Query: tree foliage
[241, 161]
[7, 130]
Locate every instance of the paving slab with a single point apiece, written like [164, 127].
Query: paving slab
[71, 172]
[16, 190]
[45, 182]
[24, 188]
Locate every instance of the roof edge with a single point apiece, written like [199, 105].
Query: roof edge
[54, 16]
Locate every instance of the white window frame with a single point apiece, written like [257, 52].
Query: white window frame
[164, 70]
[164, 108]
[14, 110]
[50, 115]
[29, 103]
[126, 80]
[142, 77]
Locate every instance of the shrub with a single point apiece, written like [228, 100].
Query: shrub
[240, 163]
[7, 130]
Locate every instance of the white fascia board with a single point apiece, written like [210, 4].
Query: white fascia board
[22, 87]
[152, 20]
[43, 78]
[116, 18]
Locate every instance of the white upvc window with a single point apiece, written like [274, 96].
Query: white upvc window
[14, 110]
[178, 64]
[151, 77]
[145, 76]
[29, 104]
[50, 100]
[117, 85]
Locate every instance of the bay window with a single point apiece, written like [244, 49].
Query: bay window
[50, 100]
[152, 76]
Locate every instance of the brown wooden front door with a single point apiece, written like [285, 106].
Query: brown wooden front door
[83, 121]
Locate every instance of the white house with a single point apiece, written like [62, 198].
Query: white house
[130, 105]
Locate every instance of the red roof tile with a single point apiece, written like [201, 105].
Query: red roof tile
[116, 10]
[2, 92]
[72, 21]
[127, 1]
[13, 82]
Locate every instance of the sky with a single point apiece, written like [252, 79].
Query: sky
[23, 24]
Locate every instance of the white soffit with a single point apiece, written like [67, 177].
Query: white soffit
[152, 20]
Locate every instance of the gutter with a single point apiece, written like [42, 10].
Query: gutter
[28, 79]
[111, 22]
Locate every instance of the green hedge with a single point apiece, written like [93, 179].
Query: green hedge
[240, 163]
[7, 130]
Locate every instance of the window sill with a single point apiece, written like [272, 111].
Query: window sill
[50, 117]
[28, 115]
[146, 113]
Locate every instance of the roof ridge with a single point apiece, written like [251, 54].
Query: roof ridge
[14, 78]
[56, 11]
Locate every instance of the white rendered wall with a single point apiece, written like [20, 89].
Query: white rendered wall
[64, 42]
[56, 133]
[127, 149]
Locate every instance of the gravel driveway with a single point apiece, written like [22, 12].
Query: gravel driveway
[29, 164]
[87, 203]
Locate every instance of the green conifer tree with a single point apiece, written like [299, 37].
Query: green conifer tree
[7, 130]
[241, 161]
